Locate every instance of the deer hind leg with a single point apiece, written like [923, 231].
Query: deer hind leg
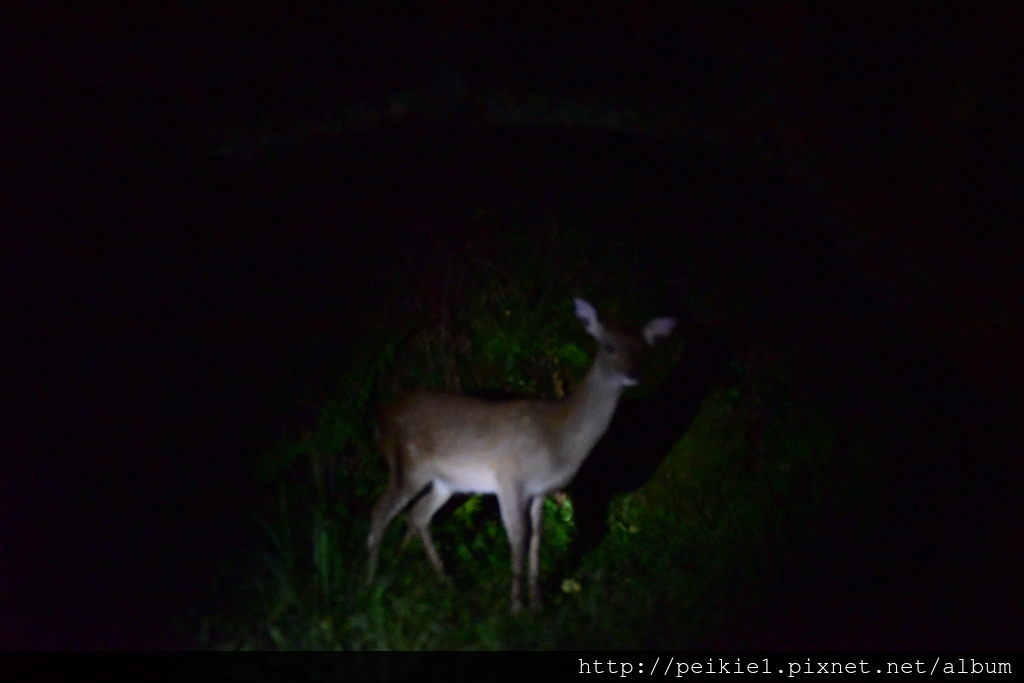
[423, 510]
[394, 500]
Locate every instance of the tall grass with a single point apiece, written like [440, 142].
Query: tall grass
[694, 551]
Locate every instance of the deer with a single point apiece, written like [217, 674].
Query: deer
[437, 444]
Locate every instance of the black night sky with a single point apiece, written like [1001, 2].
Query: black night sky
[189, 196]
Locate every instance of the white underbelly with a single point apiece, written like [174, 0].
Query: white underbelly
[468, 479]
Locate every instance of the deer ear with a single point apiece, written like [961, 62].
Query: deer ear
[586, 313]
[658, 328]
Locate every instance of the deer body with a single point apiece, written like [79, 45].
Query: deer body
[520, 450]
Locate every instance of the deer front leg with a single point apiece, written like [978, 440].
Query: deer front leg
[513, 516]
[536, 520]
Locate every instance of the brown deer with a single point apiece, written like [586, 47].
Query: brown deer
[521, 450]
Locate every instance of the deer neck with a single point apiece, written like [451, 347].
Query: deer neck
[589, 411]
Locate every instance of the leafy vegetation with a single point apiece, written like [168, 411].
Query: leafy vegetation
[689, 554]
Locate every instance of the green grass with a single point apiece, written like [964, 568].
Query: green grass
[693, 558]
[693, 550]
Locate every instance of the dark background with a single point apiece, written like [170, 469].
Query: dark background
[164, 244]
